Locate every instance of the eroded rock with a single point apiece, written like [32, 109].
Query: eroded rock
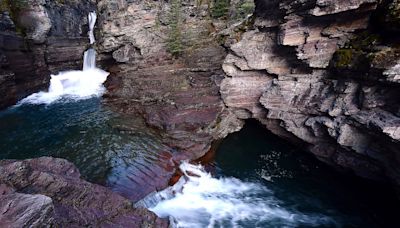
[47, 192]
[177, 95]
[334, 85]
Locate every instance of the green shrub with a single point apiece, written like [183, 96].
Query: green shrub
[174, 45]
[220, 8]
[246, 8]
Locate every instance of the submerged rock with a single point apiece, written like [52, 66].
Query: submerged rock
[47, 192]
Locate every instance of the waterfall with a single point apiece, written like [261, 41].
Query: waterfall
[89, 59]
[92, 21]
[77, 84]
[200, 200]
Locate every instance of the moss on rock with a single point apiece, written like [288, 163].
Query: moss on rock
[348, 58]
[343, 58]
[364, 41]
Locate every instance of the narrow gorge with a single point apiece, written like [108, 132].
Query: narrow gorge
[291, 106]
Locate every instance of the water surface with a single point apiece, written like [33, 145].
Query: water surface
[256, 180]
[259, 180]
[89, 135]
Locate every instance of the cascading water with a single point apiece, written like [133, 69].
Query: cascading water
[199, 200]
[89, 59]
[74, 85]
[92, 21]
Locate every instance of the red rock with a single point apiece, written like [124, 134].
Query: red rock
[48, 192]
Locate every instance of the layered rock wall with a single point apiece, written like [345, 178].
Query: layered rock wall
[322, 74]
[177, 94]
[316, 73]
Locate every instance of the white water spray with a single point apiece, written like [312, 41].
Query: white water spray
[92, 17]
[74, 85]
[199, 200]
[89, 60]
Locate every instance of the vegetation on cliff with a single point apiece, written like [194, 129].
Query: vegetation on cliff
[358, 53]
[174, 45]
[220, 8]
[13, 6]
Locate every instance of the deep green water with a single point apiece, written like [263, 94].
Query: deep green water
[89, 135]
[85, 133]
[301, 183]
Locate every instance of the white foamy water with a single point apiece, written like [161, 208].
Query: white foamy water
[89, 60]
[92, 21]
[72, 85]
[199, 200]
[77, 84]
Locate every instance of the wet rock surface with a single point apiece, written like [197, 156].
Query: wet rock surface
[46, 192]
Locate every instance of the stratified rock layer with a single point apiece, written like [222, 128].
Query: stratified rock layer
[48, 192]
[179, 96]
[320, 81]
[317, 73]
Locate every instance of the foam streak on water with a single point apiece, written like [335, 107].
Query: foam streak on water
[199, 200]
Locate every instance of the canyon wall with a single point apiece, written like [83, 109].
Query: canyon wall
[178, 94]
[322, 74]
[37, 38]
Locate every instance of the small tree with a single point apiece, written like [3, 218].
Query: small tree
[220, 8]
[175, 46]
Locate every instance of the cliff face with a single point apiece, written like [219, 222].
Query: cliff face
[323, 74]
[178, 95]
[39, 37]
